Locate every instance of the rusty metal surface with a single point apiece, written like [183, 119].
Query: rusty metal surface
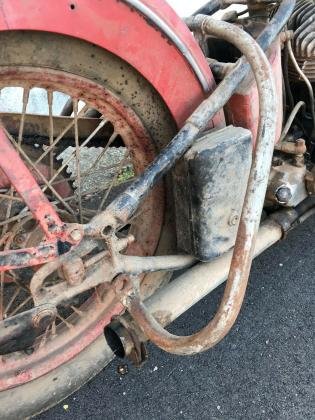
[21, 368]
[202, 279]
[208, 195]
[287, 185]
[235, 289]
[146, 47]
[121, 209]
[100, 226]
[38, 125]
[23, 181]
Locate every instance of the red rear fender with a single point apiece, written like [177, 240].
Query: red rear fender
[147, 34]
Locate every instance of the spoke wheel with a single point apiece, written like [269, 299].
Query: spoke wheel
[81, 161]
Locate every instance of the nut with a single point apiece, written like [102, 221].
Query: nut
[76, 235]
[73, 271]
[283, 195]
[43, 318]
[20, 238]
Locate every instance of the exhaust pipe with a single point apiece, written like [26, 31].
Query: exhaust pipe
[186, 290]
[126, 339]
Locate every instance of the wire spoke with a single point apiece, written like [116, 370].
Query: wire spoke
[14, 296]
[72, 156]
[100, 156]
[51, 132]
[122, 163]
[77, 156]
[1, 294]
[86, 174]
[16, 310]
[77, 311]
[11, 198]
[15, 218]
[60, 167]
[57, 139]
[25, 156]
[67, 323]
[44, 337]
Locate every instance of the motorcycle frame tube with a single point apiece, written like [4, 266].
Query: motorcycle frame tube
[240, 266]
[200, 280]
[122, 208]
[242, 255]
[126, 204]
[25, 184]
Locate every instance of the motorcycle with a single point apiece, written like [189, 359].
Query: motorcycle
[159, 145]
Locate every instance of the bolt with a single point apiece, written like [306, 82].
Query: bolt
[234, 219]
[283, 195]
[76, 235]
[20, 239]
[43, 318]
[73, 271]
[120, 283]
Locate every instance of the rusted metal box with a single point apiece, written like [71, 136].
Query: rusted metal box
[209, 188]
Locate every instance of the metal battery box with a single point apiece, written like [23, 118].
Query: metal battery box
[209, 188]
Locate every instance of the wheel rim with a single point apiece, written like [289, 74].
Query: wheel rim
[98, 310]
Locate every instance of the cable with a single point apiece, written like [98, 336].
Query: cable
[307, 82]
[291, 118]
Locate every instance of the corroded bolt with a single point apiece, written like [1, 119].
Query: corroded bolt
[76, 235]
[43, 318]
[73, 271]
[20, 238]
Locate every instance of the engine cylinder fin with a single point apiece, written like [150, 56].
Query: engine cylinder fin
[303, 25]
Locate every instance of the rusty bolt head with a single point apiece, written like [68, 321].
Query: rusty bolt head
[20, 238]
[73, 271]
[120, 284]
[43, 318]
[76, 235]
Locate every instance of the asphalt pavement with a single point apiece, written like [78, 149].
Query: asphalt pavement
[264, 369]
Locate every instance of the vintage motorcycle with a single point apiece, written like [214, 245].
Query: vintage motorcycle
[161, 144]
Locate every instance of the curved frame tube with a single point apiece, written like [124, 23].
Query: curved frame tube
[236, 286]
